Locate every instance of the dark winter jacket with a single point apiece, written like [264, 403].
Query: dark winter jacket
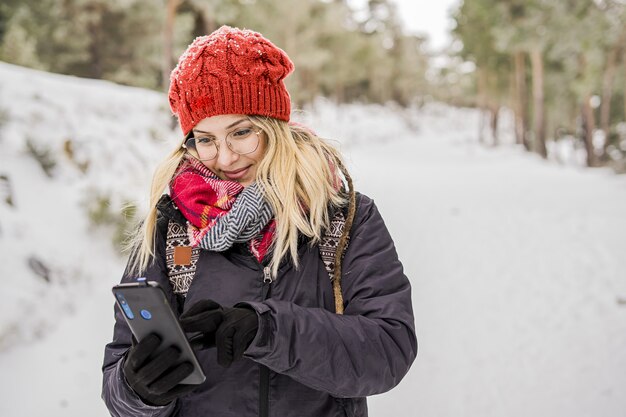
[305, 360]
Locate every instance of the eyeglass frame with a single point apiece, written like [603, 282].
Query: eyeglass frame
[217, 146]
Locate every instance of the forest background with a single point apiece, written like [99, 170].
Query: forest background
[558, 65]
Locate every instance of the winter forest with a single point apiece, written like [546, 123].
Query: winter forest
[497, 161]
[558, 65]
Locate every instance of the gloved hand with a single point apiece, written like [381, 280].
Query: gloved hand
[231, 329]
[204, 317]
[235, 334]
[156, 377]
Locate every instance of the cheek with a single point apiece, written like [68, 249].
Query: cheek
[256, 157]
[211, 165]
[260, 152]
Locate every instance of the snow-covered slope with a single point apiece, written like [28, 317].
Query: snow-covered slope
[98, 142]
[517, 264]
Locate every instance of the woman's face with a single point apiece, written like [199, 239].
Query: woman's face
[229, 165]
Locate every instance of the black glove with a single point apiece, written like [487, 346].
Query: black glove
[204, 317]
[230, 329]
[235, 334]
[156, 377]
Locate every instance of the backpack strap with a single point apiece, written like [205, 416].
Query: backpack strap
[329, 247]
[330, 242]
[181, 258]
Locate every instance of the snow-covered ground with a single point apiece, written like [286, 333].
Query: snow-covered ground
[517, 264]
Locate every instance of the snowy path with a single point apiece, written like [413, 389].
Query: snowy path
[517, 266]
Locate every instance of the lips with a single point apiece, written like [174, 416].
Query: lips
[237, 174]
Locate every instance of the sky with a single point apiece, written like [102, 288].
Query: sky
[428, 17]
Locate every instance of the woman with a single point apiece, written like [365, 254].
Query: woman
[256, 218]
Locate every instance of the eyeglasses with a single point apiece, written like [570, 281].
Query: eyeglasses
[243, 140]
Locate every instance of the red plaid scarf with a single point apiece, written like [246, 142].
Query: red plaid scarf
[202, 197]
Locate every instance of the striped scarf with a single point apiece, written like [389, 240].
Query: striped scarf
[221, 212]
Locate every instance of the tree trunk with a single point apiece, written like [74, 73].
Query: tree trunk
[97, 10]
[589, 125]
[521, 95]
[607, 93]
[482, 102]
[203, 23]
[168, 43]
[624, 83]
[536, 59]
[494, 112]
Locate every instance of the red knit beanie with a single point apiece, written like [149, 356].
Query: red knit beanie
[230, 71]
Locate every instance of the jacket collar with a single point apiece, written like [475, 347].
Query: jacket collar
[166, 207]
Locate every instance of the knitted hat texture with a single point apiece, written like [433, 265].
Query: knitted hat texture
[230, 71]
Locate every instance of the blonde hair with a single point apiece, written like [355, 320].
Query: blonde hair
[299, 175]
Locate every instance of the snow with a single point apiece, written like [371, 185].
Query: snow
[517, 264]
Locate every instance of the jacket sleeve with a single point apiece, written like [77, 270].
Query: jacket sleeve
[118, 396]
[366, 351]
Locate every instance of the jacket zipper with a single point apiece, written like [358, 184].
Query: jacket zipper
[267, 282]
[264, 372]
[264, 375]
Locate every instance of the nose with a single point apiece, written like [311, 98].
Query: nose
[225, 156]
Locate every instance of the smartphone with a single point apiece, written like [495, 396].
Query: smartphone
[146, 310]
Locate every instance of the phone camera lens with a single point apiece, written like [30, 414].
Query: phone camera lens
[125, 306]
